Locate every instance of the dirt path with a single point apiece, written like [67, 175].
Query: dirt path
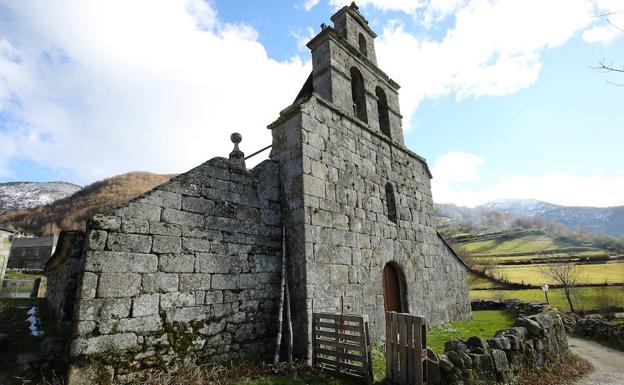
[608, 363]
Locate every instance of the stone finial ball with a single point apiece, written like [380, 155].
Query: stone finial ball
[236, 138]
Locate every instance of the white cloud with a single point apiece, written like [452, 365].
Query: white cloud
[309, 4]
[494, 48]
[107, 87]
[451, 172]
[602, 34]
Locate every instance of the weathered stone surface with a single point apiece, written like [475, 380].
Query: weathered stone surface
[132, 243]
[119, 285]
[190, 282]
[97, 239]
[120, 262]
[179, 217]
[175, 300]
[212, 263]
[160, 282]
[97, 309]
[137, 210]
[102, 344]
[177, 263]
[135, 226]
[500, 360]
[105, 222]
[532, 326]
[166, 244]
[145, 304]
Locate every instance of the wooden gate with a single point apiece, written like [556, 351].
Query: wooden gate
[341, 345]
[406, 349]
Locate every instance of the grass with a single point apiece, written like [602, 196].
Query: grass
[483, 324]
[590, 274]
[20, 275]
[584, 297]
[533, 255]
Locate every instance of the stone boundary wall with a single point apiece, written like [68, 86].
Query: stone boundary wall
[595, 328]
[535, 342]
[511, 305]
[191, 268]
[62, 271]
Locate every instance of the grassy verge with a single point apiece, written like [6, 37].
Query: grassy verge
[483, 324]
[568, 372]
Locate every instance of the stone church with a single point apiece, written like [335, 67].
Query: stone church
[194, 266]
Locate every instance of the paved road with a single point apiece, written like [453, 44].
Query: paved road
[608, 363]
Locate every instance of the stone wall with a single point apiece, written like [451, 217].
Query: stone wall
[190, 268]
[335, 168]
[62, 271]
[511, 305]
[597, 328]
[535, 342]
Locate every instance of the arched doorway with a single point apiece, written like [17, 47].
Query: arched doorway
[393, 298]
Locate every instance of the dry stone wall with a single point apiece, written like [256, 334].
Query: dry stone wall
[190, 268]
[535, 342]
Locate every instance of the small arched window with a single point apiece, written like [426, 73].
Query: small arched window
[391, 202]
[358, 94]
[362, 43]
[382, 111]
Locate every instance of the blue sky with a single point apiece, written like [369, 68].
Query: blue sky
[499, 96]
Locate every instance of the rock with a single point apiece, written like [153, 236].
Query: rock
[501, 343]
[500, 360]
[455, 345]
[534, 328]
[446, 364]
[477, 342]
[455, 358]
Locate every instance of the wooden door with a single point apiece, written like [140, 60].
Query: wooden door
[392, 289]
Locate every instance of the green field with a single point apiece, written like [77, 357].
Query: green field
[532, 255]
[483, 324]
[612, 272]
[583, 297]
[525, 243]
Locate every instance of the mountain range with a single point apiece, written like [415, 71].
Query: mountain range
[24, 195]
[594, 220]
[74, 209]
[45, 208]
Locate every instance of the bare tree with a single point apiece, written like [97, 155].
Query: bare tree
[603, 65]
[566, 274]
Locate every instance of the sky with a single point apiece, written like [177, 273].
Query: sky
[502, 97]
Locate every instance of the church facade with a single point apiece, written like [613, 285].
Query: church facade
[194, 266]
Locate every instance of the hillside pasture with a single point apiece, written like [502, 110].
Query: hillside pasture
[590, 274]
[529, 242]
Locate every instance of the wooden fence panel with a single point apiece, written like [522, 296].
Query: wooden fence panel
[341, 345]
[406, 349]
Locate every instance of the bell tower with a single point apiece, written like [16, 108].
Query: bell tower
[345, 73]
